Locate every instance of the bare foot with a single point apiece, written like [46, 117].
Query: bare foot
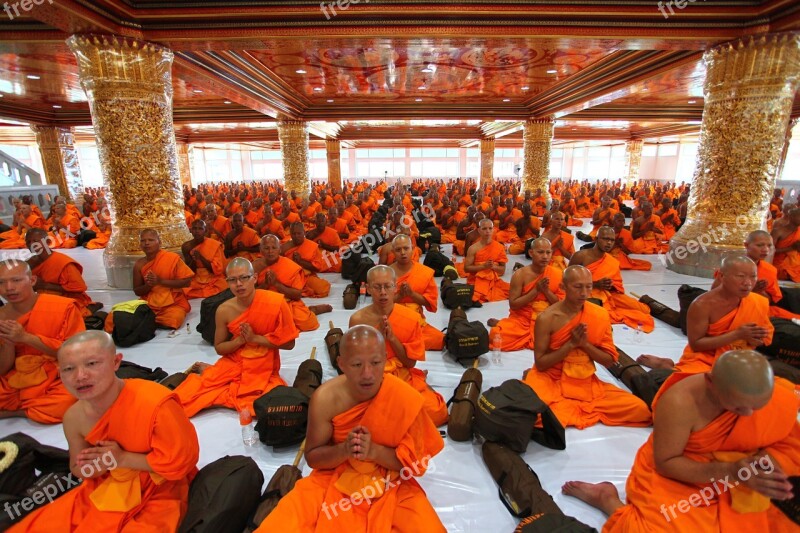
[320, 309]
[197, 368]
[654, 361]
[603, 496]
[492, 322]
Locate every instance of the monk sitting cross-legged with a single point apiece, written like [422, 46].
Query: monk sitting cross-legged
[623, 245]
[327, 239]
[648, 232]
[416, 289]
[284, 276]
[533, 289]
[786, 235]
[364, 429]
[32, 328]
[305, 253]
[485, 263]
[241, 241]
[608, 285]
[206, 258]
[562, 242]
[129, 441]
[723, 447]
[251, 327]
[405, 343]
[758, 246]
[571, 336]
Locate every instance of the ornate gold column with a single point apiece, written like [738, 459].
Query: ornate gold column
[129, 87]
[185, 164]
[749, 88]
[537, 136]
[293, 135]
[487, 161]
[786, 140]
[633, 160]
[60, 161]
[333, 148]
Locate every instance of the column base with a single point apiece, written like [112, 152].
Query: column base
[119, 269]
[695, 260]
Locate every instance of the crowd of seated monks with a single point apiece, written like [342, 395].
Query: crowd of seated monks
[720, 412]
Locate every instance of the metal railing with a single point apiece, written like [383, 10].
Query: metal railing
[16, 174]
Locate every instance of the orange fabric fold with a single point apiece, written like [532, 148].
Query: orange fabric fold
[292, 275]
[170, 305]
[489, 286]
[421, 280]
[621, 308]
[315, 287]
[205, 283]
[788, 263]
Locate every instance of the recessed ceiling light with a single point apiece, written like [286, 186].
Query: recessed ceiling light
[33, 77]
[417, 99]
[300, 71]
[330, 101]
[56, 107]
[317, 89]
[506, 99]
[1, 95]
[525, 88]
[692, 101]
[421, 87]
[552, 71]
[198, 91]
[426, 70]
[227, 102]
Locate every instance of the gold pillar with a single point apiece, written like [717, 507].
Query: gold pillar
[129, 87]
[786, 140]
[60, 161]
[333, 147]
[185, 164]
[537, 136]
[633, 160]
[487, 161]
[749, 89]
[293, 135]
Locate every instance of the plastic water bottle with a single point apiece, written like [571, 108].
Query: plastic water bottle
[497, 345]
[638, 333]
[249, 437]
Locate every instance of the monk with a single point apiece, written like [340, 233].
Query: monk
[270, 225]
[251, 327]
[562, 242]
[526, 227]
[159, 278]
[217, 226]
[32, 328]
[623, 243]
[758, 245]
[306, 253]
[364, 428]
[65, 226]
[25, 219]
[416, 289]
[241, 241]
[533, 289]
[724, 444]
[608, 286]
[57, 273]
[327, 239]
[206, 258]
[467, 224]
[129, 441]
[571, 336]
[282, 275]
[485, 263]
[101, 222]
[728, 317]
[603, 215]
[669, 218]
[786, 236]
[647, 231]
[405, 345]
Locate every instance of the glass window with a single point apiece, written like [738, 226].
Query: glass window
[362, 153]
[400, 152]
[434, 152]
[668, 150]
[416, 152]
[318, 154]
[452, 152]
[649, 150]
[473, 152]
[577, 152]
[556, 152]
[380, 153]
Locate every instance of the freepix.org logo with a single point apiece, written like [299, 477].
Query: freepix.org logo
[25, 5]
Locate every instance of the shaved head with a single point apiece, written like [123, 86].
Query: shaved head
[576, 271]
[401, 239]
[152, 232]
[607, 230]
[743, 372]
[270, 238]
[380, 270]
[733, 261]
[361, 337]
[753, 235]
[11, 264]
[541, 242]
[485, 222]
[101, 342]
[239, 262]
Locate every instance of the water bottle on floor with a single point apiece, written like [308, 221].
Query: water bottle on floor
[638, 333]
[249, 437]
[497, 346]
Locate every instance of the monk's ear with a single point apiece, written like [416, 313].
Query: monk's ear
[117, 361]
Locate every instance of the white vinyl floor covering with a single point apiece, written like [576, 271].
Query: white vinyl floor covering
[458, 485]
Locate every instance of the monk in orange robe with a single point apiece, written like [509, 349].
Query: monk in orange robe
[101, 222]
[723, 447]
[270, 225]
[758, 245]
[251, 327]
[623, 244]
[24, 220]
[57, 273]
[32, 328]
[65, 226]
[306, 253]
[669, 218]
[241, 241]
[252, 216]
[416, 289]
[648, 232]
[526, 227]
[533, 289]
[130, 443]
[467, 224]
[206, 258]
[405, 344]
[603, 215]
[284, 276]
[608, 286]
[786, 235]
[159, 278]
[728, 317]
[485, 263]
[327, 239]
[341, 226]
[364, 427]
[562, 242]
[571, 336]
[217, 226]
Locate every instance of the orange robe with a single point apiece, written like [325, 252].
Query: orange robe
[316, 287]
[252, 218]
[101, 239]
[292, 275]
[622, 308]
[558, 260]
[395, 418]
[62, 270]
[66, 236]
[420, 279]
[145, 418]
[652, 499]
[205, 283]
[606, 219]
[14, 238]
[753, 308]
[33, 384]
[572, 389]
[625, 261]
[769, 273]
[516, 331]
[239, 378]
[222, 225]
[170, 305]
[788, 263]
[489, 287]
[667, 220]
[650, 242]
[248, 237]
[275, 227]
[331, 238]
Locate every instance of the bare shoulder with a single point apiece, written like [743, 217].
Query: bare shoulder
[579, 258]
[358, 317]
[139, 263]
[328, 398]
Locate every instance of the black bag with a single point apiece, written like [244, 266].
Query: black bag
[428, 236]
[552, 523]
[466, 340]
[507, 414]
[518, 485]
[133, 328]
[790, 299]
[436, 261]
[456, 294]
[128, 370]
[222, 496]
[208, 314]
[357, 272]
[686, 295]
[282, 416]
[350, 261]
[785, 345]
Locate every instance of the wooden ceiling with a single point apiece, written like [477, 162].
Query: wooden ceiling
[388, 71]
